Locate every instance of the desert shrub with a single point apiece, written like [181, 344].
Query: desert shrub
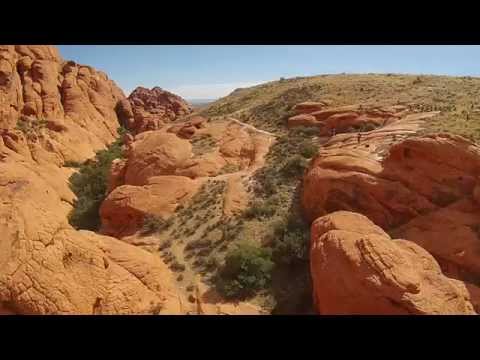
[72, 164]
[198, 244]
[229, 168]
[260, 209]
[291, 247]
[177, 267]
[294, 166]
[30, 126]
[291, 238]
[165, 244]
[247, 269]
[90, 185]
[303, 131]
[308, 149]
[154, 224]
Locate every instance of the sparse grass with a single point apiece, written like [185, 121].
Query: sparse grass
[203, 144]
[154, 224]
[259, 209]
[229, 168]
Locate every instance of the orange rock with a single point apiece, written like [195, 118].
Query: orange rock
[303, 120]
[125, 208]
[357, 269]
[390, 183]
[308, 107]
[46, 267]
[68, 109]
[117, 174]
[451, 235]
[155, 153]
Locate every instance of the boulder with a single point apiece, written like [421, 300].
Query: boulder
[357, 269]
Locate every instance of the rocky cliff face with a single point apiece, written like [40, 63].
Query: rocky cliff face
[52, 110]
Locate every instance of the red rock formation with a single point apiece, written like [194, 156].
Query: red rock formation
[187, 129]
[308, 107]
[66, 110]
[154, 108]
[47, 267]
[358, 269]
[421, 188]
[344, 118]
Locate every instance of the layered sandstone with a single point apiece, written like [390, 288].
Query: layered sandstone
[344, 118]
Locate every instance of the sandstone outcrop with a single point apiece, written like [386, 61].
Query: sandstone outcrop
[187, 129]
[308, 107]
[53, 109]
[155, 153]
[124, 210]
[372, 176]
[152, 109]
[47, 267]
[420, 188]
[345, 118]
[358, 269]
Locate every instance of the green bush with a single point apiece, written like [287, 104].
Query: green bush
[294, 166]
[90, 185]
[247, 270]
[308, 149]
[291, 248]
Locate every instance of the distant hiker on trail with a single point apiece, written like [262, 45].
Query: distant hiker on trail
[358, 137]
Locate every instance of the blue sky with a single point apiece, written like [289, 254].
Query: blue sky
[203, 71]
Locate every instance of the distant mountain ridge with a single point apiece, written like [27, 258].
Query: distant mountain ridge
[200, 102]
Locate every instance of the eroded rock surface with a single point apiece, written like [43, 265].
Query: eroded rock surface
[358, 269]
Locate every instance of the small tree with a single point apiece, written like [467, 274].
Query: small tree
[247, 270]
[294, 166]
